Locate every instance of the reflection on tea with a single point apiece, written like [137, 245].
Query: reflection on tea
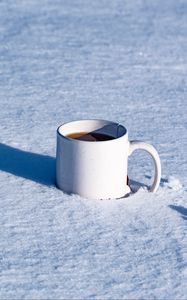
[90, 136]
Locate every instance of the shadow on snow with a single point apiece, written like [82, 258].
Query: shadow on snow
[36, 167]
[180, 209]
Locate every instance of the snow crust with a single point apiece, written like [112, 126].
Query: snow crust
[123, 61]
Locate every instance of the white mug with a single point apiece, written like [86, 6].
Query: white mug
[97, 170]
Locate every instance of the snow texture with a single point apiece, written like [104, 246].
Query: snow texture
[124, 61]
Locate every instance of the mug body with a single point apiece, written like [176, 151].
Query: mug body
[96, 170]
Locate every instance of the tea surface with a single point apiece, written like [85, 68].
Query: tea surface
[90, 136]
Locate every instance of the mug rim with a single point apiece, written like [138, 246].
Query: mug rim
[82, 141]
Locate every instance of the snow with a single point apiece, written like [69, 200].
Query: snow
[123, 61]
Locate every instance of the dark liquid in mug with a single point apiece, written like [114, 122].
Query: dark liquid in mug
[90, 136]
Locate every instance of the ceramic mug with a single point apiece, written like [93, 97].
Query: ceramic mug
[98, 170]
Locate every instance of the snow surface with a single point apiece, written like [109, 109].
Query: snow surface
[124, 61]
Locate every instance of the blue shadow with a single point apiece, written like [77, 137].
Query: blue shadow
[32, 166]
[180, 209]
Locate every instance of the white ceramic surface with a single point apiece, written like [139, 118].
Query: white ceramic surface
[97, 170]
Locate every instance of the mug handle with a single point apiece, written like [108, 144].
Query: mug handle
[134, 145]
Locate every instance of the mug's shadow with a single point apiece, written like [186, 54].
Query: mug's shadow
[36, 167]
[136, 186]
